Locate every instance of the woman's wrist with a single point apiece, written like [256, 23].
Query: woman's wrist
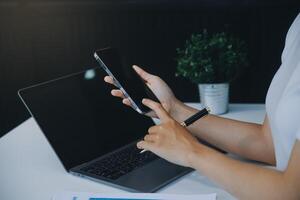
[179, 111]
[198, 151]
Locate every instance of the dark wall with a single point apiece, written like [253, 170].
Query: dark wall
[42, 40]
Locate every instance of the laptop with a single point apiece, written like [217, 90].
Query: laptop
[94, 135]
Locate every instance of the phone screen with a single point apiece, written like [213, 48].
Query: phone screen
[126, 78]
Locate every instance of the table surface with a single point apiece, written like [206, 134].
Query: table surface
[31, 170]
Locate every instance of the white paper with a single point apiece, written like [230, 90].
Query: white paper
[131, 196]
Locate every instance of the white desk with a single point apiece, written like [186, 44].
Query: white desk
[30, 169]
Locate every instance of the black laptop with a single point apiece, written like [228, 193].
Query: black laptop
[94, 135]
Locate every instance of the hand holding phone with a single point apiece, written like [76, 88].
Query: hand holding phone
[158, 86]
[132, 86]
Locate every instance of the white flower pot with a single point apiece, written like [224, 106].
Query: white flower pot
[215, 96]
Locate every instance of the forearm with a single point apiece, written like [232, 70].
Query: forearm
[243, 180]
[242, 138]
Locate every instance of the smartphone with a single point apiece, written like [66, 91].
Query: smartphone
[126, 79]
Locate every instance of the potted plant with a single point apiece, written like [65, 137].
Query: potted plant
[212, 61]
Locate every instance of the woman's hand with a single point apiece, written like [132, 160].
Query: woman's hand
[169, 139]
[161, 90]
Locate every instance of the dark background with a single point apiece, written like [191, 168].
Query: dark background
[42, 40]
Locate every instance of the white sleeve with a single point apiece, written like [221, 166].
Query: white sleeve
[291, 36]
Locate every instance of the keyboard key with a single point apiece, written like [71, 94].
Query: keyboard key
[120, 163]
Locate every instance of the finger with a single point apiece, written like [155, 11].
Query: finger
[150, 138]
[118, 93]
[126, 102]
[157, 108]
[151, 114]
[153, 129]
[144, 145]
[142, 73]
[110, 80]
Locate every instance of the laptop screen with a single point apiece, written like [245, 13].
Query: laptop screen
[80, 118]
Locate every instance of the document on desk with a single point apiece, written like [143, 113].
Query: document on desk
[131, 196]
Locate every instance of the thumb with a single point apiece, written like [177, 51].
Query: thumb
[142, 73]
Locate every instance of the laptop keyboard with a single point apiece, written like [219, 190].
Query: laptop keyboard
[120, 163]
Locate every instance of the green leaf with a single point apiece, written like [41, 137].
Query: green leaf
[211, 58]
